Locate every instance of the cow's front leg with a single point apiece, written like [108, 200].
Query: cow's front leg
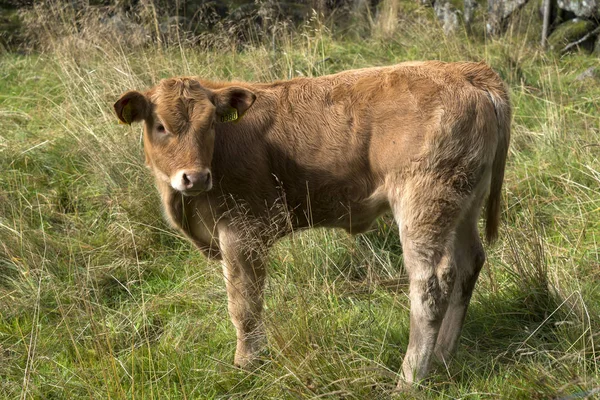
[244, 273]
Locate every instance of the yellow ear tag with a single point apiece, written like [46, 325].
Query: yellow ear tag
[127, 114]
[230, 116]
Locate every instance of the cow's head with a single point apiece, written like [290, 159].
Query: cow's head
[179, 117]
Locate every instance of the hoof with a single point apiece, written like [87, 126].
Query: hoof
[249, 362]
[405, 390]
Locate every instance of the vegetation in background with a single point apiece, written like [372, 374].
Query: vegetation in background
[100, 299]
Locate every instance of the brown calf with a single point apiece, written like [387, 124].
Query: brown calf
[239, 165]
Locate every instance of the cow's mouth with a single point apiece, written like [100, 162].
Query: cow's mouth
[193, 192]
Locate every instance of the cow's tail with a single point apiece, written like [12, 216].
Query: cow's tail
[483, 77]
[503, 114]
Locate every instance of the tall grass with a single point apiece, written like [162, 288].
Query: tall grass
[100, 299]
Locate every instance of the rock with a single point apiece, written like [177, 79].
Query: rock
[120, 25]
[172, 23]
[499, 11]
[569, 32]
[527, 23]
[468, 11]
[510, 6]
[447, 14]
[581, 8]
[590, 73]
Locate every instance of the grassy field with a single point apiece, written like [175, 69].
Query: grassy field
[100, 299]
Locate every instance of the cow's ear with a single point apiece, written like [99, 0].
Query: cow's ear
[132, 107]
[232, 98]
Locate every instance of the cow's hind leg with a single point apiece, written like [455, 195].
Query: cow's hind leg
[469, 256]
[244, 272]
[427, 213]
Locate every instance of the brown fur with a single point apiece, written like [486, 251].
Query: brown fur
[427, 140]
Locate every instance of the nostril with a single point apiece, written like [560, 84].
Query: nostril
[207, 181]
[186, 181]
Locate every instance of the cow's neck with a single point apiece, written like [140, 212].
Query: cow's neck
[189, 216]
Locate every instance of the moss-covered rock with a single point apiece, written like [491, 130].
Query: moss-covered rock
[569, 32]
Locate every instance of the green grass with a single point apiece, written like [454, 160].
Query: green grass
[100, 299]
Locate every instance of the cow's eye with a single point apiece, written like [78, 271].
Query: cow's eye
[160, 128]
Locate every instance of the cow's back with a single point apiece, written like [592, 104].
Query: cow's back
[327, 145]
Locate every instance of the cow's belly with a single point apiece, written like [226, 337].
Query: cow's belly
[355, 217]
[358, 220]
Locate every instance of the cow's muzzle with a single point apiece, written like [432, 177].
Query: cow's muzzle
[191, 182]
